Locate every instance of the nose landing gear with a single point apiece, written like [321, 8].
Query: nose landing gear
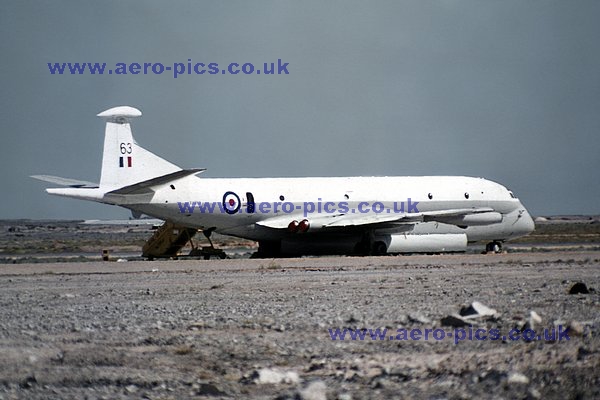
[493, 247]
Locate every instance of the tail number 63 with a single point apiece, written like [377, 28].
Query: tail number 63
[125, 148]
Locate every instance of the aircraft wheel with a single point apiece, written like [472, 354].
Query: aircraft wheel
[493, 247]
[497, 247]
[379, 249]
[362, 249]
[268, 249]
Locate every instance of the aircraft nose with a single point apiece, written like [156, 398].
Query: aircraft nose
[525, 224]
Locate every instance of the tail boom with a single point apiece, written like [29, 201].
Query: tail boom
[129, 174]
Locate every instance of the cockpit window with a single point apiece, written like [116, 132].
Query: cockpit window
[512, 196]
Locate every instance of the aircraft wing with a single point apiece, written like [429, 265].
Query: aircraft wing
[455, 212]
[451, 216]
[344, 220]
[336, 220]
[328, 220]
[74, 183]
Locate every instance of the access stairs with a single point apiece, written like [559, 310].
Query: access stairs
[168, 240]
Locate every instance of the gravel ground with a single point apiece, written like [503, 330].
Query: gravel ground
[259, 328]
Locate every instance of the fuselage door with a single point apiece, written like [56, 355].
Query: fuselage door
[250, 206]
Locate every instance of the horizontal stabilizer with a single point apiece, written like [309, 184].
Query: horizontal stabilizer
[142, 187]
[74, 183]
[141, 221]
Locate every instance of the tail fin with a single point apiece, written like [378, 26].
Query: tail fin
[124, 162]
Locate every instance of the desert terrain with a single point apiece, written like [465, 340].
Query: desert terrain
[73, 326]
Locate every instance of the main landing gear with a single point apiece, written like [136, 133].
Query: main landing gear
[369, 246]
[268, 249]
[207, 252]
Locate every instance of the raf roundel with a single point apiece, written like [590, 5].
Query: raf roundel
[231, 202]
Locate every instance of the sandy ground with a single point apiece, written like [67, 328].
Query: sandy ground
[260, 328]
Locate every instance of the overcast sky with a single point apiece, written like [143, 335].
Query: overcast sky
[506, 90]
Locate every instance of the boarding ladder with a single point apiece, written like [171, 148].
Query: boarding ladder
[167, 241]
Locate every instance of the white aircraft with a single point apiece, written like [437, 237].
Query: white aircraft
[295, 216]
